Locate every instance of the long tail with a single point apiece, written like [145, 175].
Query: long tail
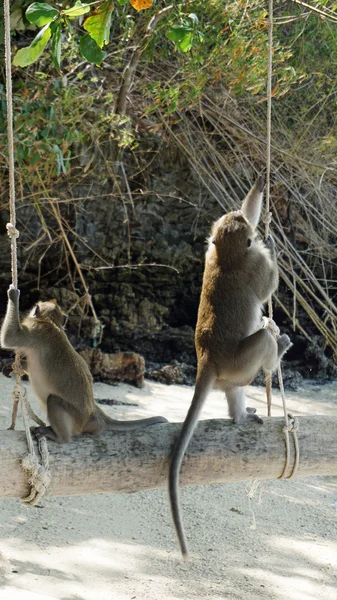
[114, 425]
[203, 384]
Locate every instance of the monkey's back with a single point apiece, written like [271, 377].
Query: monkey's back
[54, 367]
[229, 311]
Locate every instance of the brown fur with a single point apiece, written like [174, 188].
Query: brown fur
[240, 274]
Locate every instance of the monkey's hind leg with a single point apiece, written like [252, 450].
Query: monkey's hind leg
[45, 431]
[259, 350]
[236, 400]
[61, 421]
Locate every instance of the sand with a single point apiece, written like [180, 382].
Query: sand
[123, 547]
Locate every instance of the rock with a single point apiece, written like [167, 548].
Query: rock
[317, 364]
[175, 372]
[128, 367]
[167, 374]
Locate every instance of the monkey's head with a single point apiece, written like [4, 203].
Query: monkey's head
[232, 234]
[48, 311]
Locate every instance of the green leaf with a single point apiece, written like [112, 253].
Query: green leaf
[41, 13]
[56, 47]
[60, 160]
[193, 17]
[27, 56]
[90, 50]
[34, 159]
[78, 9]
[177, 33]
[185, 44]
[99, 23]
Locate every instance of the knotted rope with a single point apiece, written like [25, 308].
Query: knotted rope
[290, 423]
[39, 476]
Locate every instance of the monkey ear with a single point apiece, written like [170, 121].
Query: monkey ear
[53, 301]
[252, 204]
[36, 311]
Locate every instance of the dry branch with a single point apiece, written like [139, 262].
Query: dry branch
[138, 460]
[131, 66]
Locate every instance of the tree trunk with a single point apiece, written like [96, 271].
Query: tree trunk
[138, 460]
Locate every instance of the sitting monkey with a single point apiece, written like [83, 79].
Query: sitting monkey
[240, 274]
[59, 376]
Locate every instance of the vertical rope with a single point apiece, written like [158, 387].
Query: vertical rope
[10, 141]
[269, 97]
[39, 476]
[268, 377]
[290, 423]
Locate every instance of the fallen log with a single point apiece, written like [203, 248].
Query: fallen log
[138, 460]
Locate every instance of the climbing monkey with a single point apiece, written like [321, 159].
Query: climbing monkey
[60, 377]
[231, 345]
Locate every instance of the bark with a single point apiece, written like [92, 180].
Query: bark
[129, 462]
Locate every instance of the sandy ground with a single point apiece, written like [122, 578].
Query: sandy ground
[122, 547]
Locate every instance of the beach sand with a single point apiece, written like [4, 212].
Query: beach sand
[281, 545]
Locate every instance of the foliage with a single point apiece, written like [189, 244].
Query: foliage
[50, 124]
[196, 46]
[202, 69]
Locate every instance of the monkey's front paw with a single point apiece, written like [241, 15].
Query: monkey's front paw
[269, 243]
[13, 293]
[283, 344]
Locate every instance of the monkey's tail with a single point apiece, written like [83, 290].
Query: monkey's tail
[114, 425]
[203, 384]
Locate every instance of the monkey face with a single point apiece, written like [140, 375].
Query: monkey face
[48, 310]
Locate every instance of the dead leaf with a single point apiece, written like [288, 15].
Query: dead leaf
[141, 4]
[274, 90]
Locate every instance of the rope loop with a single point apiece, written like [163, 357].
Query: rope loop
[12, 231]
[268, 323]
[39, 477]
[292, 426]
[16, 366]
[267, 218]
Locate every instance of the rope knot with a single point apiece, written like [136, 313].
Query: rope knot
[268, 323]
[293, 425]
[267, 218]
[17, 368]
[39, 478]
[12, 231]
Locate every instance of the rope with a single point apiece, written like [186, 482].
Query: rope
[291, 424]
[268, 164]
[12, 232]
[39, 476]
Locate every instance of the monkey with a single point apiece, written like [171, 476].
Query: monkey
[240, 274]
[59, 376]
